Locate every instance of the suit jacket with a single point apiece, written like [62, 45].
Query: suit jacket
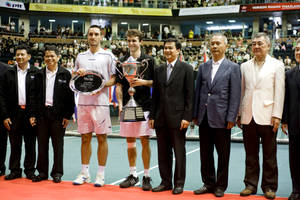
[291, 111]
[63, 96]
[220, 99]
[172, 99]
[9, 97]
[3, 68]
[263, 98]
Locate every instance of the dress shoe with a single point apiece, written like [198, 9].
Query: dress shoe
[30, 176]
[2, 172]
[177, 190]
[161, 188]
[12, 176]
[56, 179]
[219, 192]
[38, 178]
[270, 194]
[294, 196]
[247, 191]
[202, 190]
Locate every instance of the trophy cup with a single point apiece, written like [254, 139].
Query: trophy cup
[132, 112]
[89, 84]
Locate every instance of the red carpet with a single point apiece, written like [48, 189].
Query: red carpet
[23, 189]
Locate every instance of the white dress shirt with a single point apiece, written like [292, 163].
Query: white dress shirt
[22, 85]
[50, 80]
[215, 67]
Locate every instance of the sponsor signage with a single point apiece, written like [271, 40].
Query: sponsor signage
[269, 7]
[12, 5]
[209, 10]
[100, 10]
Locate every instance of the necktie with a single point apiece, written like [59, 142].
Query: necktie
[169, 70]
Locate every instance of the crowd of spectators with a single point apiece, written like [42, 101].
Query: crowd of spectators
[194, 53]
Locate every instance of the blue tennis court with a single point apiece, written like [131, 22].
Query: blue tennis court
[117, 165]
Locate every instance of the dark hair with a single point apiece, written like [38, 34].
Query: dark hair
[95, 26]
[177, 43]
[52, 48]
[135, 33]
[23, 47]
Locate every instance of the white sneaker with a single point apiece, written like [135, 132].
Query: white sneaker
[99, 182]
[81, 178]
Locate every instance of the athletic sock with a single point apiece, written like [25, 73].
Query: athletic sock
[101, 170]
[146, 173]
[133, 171]
[85, 170]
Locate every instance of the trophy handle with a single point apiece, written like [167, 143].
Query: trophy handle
[118, 64]
[144, 64]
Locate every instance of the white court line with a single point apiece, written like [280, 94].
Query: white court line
[156, 166]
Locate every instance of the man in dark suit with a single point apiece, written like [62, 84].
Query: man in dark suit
[54, 106]
[3, 131]
[171, 112]
[15, 99]
[290, 121]
[217, 101]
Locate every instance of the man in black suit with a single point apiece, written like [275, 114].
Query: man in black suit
[54, 106]
[171, 112]
[16, 90]
[290, 121]
[3, 131]
[217, 101]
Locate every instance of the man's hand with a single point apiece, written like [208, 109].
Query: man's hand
[195, 121]
[184, 124]
[32, 121]
[151, 123]
[137, 82]
[275, 123]
[238, 122]
[230, 125]
[284, 128]
[65, 122]
[7, 122]
[81, 72]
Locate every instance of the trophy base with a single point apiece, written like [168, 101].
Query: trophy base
[132, 114]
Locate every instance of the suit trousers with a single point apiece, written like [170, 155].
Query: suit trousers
[168, 139]
[3, 146]
[50, 127]
[21, 128]
[210, 138]
[252, 134]
[294, 154]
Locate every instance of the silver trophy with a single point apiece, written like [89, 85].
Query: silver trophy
[89, 84]
[132, 112]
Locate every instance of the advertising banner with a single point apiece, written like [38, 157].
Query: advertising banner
[12, 5]
[209, 10]
[100, 10]
[269, 7]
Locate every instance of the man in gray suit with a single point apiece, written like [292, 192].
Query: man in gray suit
[217, 100]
